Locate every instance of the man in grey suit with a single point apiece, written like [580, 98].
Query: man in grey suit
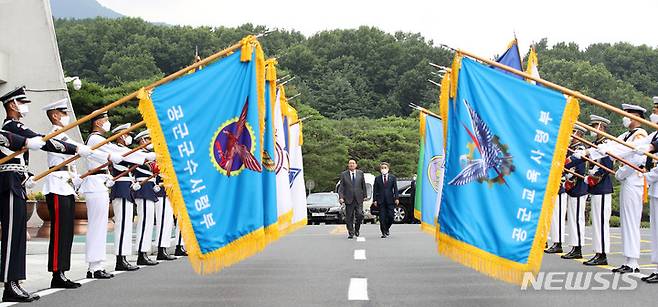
[352, 192]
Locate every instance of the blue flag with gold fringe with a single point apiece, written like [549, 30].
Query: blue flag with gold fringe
[511, 58]
[429, 179]
[506, 143]
[208, 129]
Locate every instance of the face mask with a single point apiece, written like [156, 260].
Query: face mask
[626, 122]
[64, 120]
[384, 171]
[23, 109]
[149, 146]
[653, 118]
[106, 126]
[592, 133]
[128, 140]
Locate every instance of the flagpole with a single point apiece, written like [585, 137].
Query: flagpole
[130, 169]
[77, 156]
[574, 173]
[424, 110]
[129, 97]
[560, 88]
[633, 166]
[108, 163]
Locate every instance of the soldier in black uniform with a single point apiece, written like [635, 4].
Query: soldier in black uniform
[14, 178]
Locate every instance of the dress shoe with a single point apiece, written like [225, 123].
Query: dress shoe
[356, 233]
[163, 255]
[625, 269]
[124, 265]
[350, 237]
[652, 279]
[100, 274]
[556, 248]
[598, 259]
[14, 293]
[575, 253]
[180, 251]
[652, 275]
[383, 236]
[143, 259]
[60, 281]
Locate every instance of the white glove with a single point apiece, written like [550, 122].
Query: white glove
[150, 156]
[29, 183]
[35, 143]
[109, 182]
[568, 176]
[77, 181]
[116, 159]
[157, 188]
[593, 170]
[578, 154]
[641, 149]
[84, 151]
[136, 186]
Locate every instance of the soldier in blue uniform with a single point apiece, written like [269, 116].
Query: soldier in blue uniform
[576, 189]
[145, 199]
[14, 179]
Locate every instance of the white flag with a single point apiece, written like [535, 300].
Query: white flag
[283, 199]
[297, 184]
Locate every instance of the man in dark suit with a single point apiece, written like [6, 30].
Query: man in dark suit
[352, 192]
[385, 196]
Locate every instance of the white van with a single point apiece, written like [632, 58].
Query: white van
[367, 216]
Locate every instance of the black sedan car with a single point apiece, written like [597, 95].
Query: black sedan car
[403, 213]
[324, 207]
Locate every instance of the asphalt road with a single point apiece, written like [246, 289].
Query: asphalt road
[316, 266]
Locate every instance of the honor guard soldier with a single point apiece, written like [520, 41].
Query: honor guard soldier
[600, 190]
[59, 189]
[651, 145]
[145, 199]
[576, 189]
[95, 188]
[14, 178]
[630, 197]
[180, 244]
[122, 200]
[558, 220]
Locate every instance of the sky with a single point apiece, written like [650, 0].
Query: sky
[479, 26]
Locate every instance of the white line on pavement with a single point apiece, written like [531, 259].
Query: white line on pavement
[7, 304]
[358, 290]
[359, 254]
[48, 291]
[360, 239]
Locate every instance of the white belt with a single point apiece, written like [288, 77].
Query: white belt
[140, 179]
[124, 179]
[13, 168]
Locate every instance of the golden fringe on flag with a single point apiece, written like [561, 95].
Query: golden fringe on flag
[246, 245]
[493, 265]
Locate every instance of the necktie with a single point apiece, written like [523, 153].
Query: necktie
[385, 179]
[352, 179]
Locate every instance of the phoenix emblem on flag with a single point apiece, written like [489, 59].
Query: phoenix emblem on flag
[434, 171]
[232, 146]
[493, 154]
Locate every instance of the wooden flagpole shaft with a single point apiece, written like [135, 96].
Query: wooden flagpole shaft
[130, 169]
[629, 145]
[76, 156]
[108, 162]
[147, 179]
[574, 173]
[603, 167]
[562, 89]
[129, 97]
[609, 154]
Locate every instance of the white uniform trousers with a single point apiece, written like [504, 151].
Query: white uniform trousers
[145, 217]
[576, 219]
[123, 226]
[164, 222]
[653, 201]
[630, 213]
[98, 205]
[558, 218]
[601, 211]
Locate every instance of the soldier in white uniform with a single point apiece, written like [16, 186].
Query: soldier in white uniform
[145, 199]
[180, 244]
[630, 197]
[121, 196]
[60, 196]
[576, 190]
[558, 227]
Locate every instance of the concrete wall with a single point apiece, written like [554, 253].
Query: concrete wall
[29, 56]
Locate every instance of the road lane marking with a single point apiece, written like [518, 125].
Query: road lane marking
[360, 239]
[359, 254]
[358, 290]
